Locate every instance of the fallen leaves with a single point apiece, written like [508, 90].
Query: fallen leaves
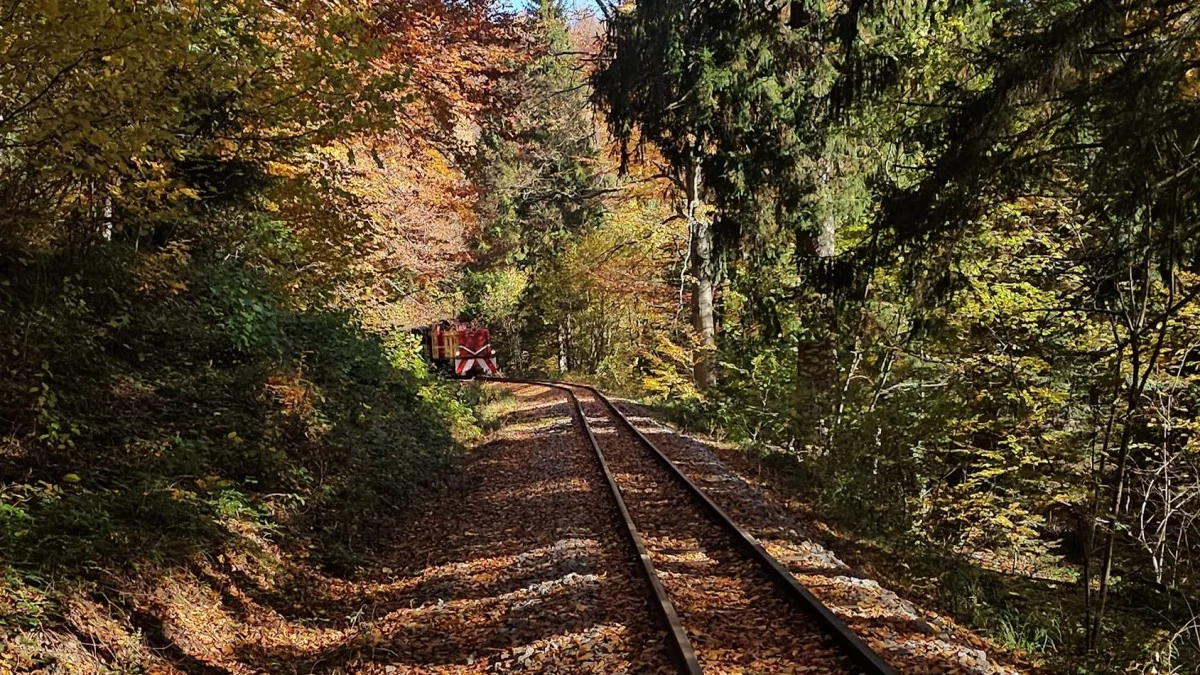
[736, 620]
[519, 567]
[911, 641]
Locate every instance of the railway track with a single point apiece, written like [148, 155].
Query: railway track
[727, 605]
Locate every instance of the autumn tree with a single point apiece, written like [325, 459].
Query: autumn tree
[414, 180]
[540, 179]
[120, 117]
[187, 360]
[1053, 127]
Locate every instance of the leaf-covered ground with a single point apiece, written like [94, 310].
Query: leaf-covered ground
[910, 638]
[732, 612]
[516, 566]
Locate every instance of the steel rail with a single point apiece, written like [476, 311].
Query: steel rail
[854, 647]
[679, 645]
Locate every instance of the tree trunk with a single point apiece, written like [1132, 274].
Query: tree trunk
[816, 349]
[562, 348]
[703, 273]
[826, 244]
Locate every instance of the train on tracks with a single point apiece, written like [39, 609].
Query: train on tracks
[462, 348]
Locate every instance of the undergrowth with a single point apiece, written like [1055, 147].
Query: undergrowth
[1034, 612]
[157, 406]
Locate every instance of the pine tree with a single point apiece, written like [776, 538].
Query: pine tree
[540, 181]
[676, 75]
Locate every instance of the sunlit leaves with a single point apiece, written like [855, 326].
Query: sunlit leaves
[112, 113]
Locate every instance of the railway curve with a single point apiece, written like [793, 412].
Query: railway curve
[728, 606]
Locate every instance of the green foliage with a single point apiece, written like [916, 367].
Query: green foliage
[536, 161]
[1018, 619]
[731, 87]
[996, 340]
[175, 427]
[180, 370]
[496, 294]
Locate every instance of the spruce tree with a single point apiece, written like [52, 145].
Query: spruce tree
[713, 86]
[538, 173]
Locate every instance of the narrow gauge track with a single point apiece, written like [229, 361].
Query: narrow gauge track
[728, 605]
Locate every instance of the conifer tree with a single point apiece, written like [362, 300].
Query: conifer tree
[538, 171]
[697, 82]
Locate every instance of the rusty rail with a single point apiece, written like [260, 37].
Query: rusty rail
[858, 651]
[679, 646]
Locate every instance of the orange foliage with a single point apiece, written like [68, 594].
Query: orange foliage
[452, 56]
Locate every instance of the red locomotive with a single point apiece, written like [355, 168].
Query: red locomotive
[467, 348]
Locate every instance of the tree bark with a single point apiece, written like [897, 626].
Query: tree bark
[826, 242]
[816, 349]
[563, 363]
[703, 274]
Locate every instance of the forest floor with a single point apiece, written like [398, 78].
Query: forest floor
[514, 565]
[1013, 607]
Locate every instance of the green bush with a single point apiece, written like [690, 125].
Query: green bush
[150, 399]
